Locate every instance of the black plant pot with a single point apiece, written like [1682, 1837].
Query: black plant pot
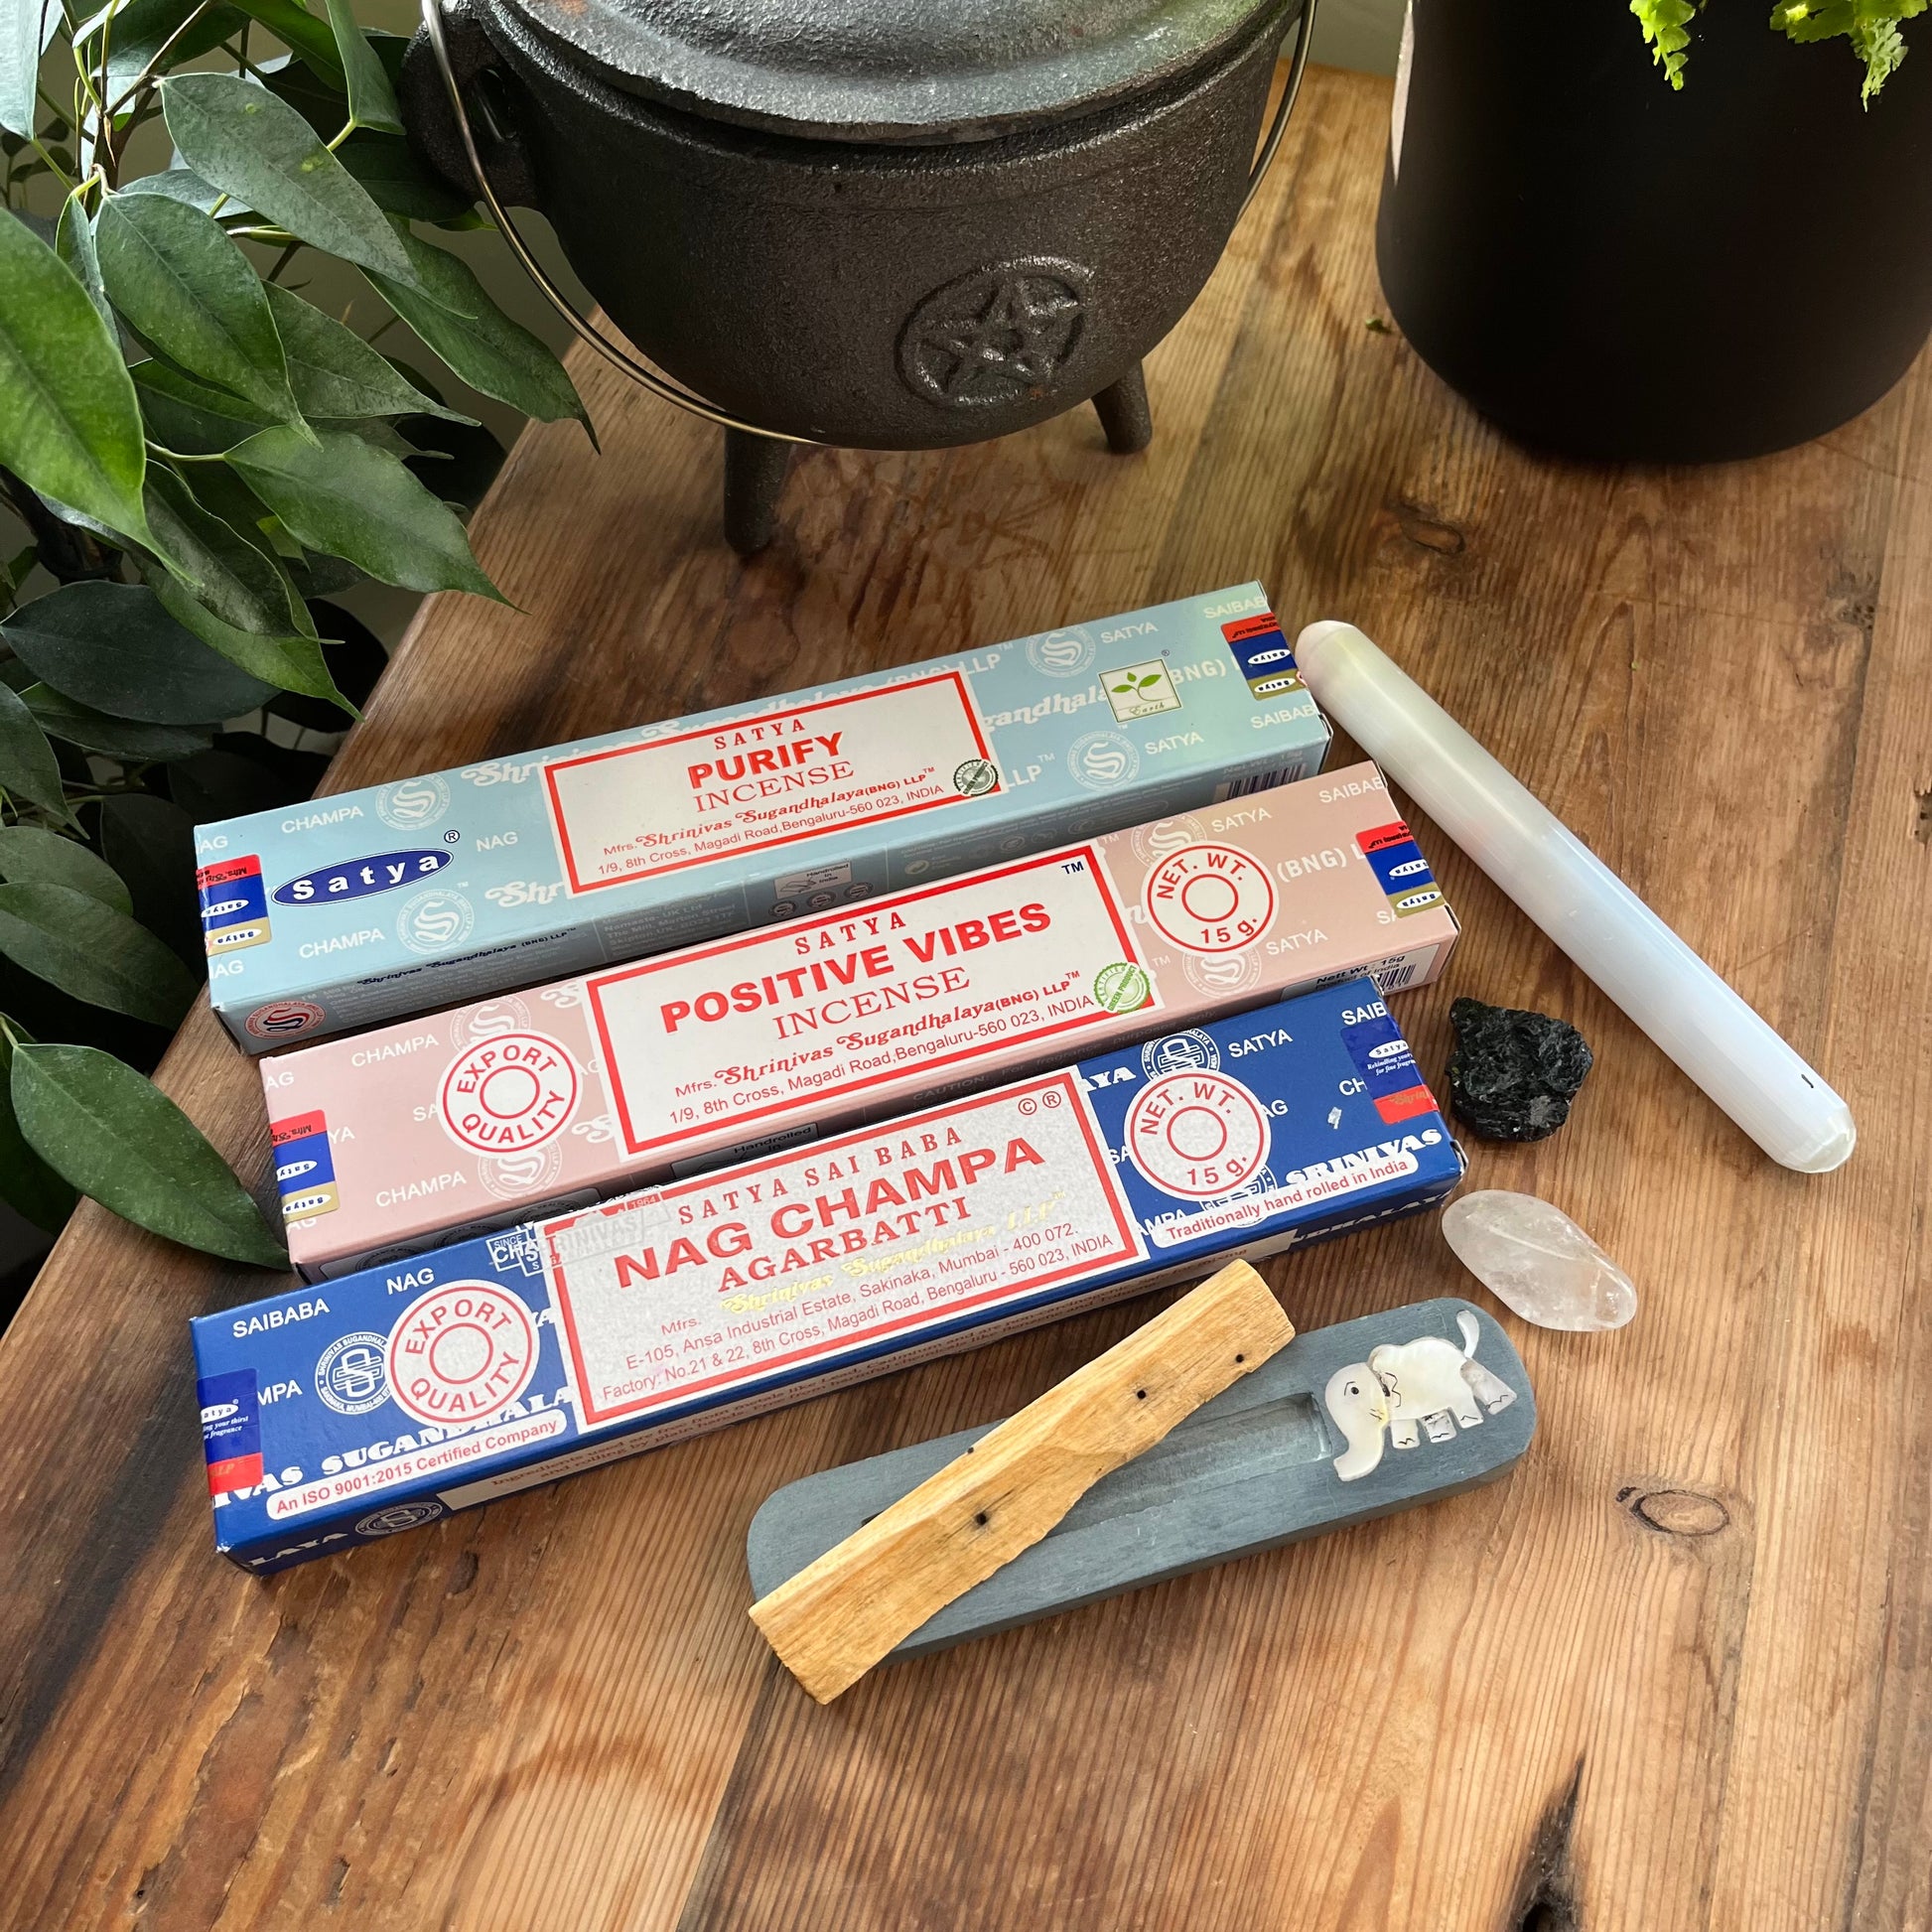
[1607, 268]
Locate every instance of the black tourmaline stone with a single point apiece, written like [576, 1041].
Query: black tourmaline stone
[1513, 1074]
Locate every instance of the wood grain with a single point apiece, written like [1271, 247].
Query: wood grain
[841, 1613]
[1675, 1672]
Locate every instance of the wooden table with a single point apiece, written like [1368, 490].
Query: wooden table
[1676, 1672]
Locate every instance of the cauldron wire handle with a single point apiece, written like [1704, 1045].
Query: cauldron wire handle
[641, 372]
[1296, 66]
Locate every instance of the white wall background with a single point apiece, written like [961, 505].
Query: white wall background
[1358, 33]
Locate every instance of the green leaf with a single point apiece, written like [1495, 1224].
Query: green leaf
[372, 100]
[17, 570]
[1870, 26]
[141, 28]
[82, 521]
[316, 576]
[261, 151]
[296, 27]
[479, 342]
[28, 767]
[336, 373]
[24, 32]
[1881, 47]
[114, 648]
[151, 844]
[68, 425]
[73, 242]
[120, 1138]
[456, 460]
[1665, 25]
[221, 492]
[354, 501]
[237, 600]
[179, 185]
[220, 569]
[26, 1180]
[381, 434]
[288, 662]
[190, 292]
[184, 415]
[357, 660]
[324, 105]
[28, 854]
[113, 738]
[398, 181]
[93, 953]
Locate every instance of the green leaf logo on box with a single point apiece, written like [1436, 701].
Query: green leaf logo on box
[1140, 690]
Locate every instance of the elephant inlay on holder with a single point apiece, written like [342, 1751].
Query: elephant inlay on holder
[1428, 1382]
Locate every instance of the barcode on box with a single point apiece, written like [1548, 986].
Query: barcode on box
[1260, 782]
[1403, 970]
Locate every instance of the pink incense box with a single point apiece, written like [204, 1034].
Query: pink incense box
[495, 1113]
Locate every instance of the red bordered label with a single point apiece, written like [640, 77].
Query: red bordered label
[863, 1000]
[711, 1283]
[640, 811]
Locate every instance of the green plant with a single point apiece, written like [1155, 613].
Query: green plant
[1871, 25]
[198, 454]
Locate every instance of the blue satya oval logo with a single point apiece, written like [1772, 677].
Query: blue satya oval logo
[381, 872]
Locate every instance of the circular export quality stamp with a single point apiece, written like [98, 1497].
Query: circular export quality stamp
[462, 1353]
[509, 1093]
[1199, 1134]
[1209, 898]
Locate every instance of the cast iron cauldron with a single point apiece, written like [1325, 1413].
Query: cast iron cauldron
[881, 223]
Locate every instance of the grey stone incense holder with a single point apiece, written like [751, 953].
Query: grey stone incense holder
[1343, 1424]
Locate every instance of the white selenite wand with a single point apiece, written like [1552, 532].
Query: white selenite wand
[1692, 1014]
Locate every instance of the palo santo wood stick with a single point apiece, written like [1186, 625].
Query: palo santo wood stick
[840, 1615]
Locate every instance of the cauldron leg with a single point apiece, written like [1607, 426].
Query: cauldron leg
[754, 475]
[1123, 414]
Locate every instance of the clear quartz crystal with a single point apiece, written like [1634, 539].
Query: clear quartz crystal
[1538, 1261]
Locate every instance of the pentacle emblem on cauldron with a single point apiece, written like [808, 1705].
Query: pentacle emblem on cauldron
[998, 336]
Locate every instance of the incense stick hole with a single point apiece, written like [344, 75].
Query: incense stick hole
[1140, 1395]
[980, 1519]
[1240, 1359]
